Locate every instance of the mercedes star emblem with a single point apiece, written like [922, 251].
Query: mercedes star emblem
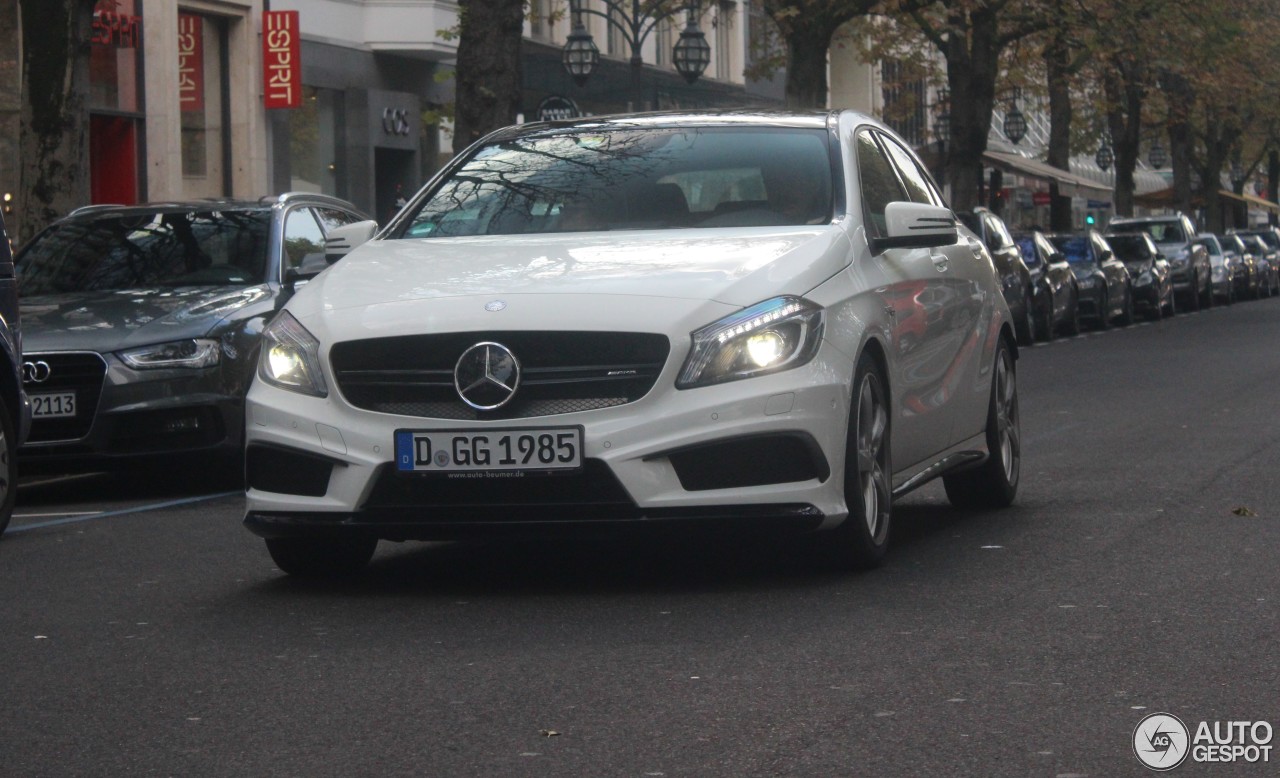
[487, 376]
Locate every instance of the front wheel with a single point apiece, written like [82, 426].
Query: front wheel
[994, 483]
[321, 557]
[864, 534]
[8, 473]
[1126, 313]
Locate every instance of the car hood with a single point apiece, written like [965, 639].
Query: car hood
[738, 269]
[1083, 271]
[107, 321]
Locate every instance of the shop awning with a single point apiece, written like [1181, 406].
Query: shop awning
[1069, 183]
[1164, 199]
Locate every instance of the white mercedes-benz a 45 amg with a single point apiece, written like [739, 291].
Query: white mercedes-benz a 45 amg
[727, 319]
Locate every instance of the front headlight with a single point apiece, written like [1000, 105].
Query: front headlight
[1143, 279]
[194, 352]
[290, 357]
[774, 335]
[1219, 272]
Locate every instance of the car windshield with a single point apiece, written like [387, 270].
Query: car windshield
[115, 252]
[1129, 248]
[1074, 248]
[1027, 245]
[647, 178]
[1161, 231]
[1268, 238]
[1211, 246]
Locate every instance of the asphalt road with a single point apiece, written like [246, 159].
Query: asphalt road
[144, 632]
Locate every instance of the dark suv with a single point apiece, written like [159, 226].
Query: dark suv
[15, 411]
[142, 325]
[1189, 265]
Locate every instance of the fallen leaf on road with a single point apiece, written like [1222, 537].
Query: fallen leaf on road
[1243, 511]
[548, 732]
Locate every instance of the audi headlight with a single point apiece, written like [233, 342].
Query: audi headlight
[1143, 279]
[195, 352]
[774, 335]
[290, 357]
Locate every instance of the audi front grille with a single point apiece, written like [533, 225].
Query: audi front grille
[80, 372]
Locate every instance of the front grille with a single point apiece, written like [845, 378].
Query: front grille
[81, 372]
[562, 372]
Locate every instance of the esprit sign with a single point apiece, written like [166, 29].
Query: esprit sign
[281, 62]
[190, 63]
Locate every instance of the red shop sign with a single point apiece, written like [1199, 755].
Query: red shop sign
[1040, 198]
[190, 62]
[281, 61]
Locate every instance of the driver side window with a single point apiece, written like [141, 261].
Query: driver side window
[303, 239]
[879, 184]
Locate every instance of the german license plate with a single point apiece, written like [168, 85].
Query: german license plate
[521, 450]
[53, 405]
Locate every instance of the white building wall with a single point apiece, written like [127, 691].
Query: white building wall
[247, 128]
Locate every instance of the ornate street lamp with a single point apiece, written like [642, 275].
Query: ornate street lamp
[1015, 124]
[1158, 157]
[1105, 156]
[691, 54]
[580, 55]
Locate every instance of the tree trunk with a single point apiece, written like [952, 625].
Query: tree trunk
[488, 74]
[1179, 97]
[54, 145]
[807, 48]
[1057, 56]
[1125, 94]
[972, 69]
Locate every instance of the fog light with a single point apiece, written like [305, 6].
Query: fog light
[189, 424]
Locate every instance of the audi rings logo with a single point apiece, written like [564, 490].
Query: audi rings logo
[36, 372]
[487, 376]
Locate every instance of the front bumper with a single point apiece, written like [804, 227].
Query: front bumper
[767, 450]
[127, 418]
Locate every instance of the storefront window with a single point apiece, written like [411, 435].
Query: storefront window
[313, 142]
[202, 42]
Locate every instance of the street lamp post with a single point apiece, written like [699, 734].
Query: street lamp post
[691, 54]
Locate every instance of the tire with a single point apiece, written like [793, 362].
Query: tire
[994, 483]
[1173, 302]
[1072, 327]
[8, 466]
[1208, 294]
[1104, 312]
[1044, 323]
[1193, 299]
[1026, 325]
[321, 557]
[863, 537]
[1126, 314]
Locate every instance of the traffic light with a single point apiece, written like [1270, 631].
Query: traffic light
[1089, 219]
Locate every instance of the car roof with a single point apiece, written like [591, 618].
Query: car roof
[264, 203]
[664, 119]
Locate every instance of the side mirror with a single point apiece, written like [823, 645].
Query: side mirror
[341, 240]
[916, 225]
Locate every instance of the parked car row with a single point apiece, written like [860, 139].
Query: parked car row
[1149, 266]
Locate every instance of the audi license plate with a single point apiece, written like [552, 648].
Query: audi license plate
[480, 453]
[53, 405]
